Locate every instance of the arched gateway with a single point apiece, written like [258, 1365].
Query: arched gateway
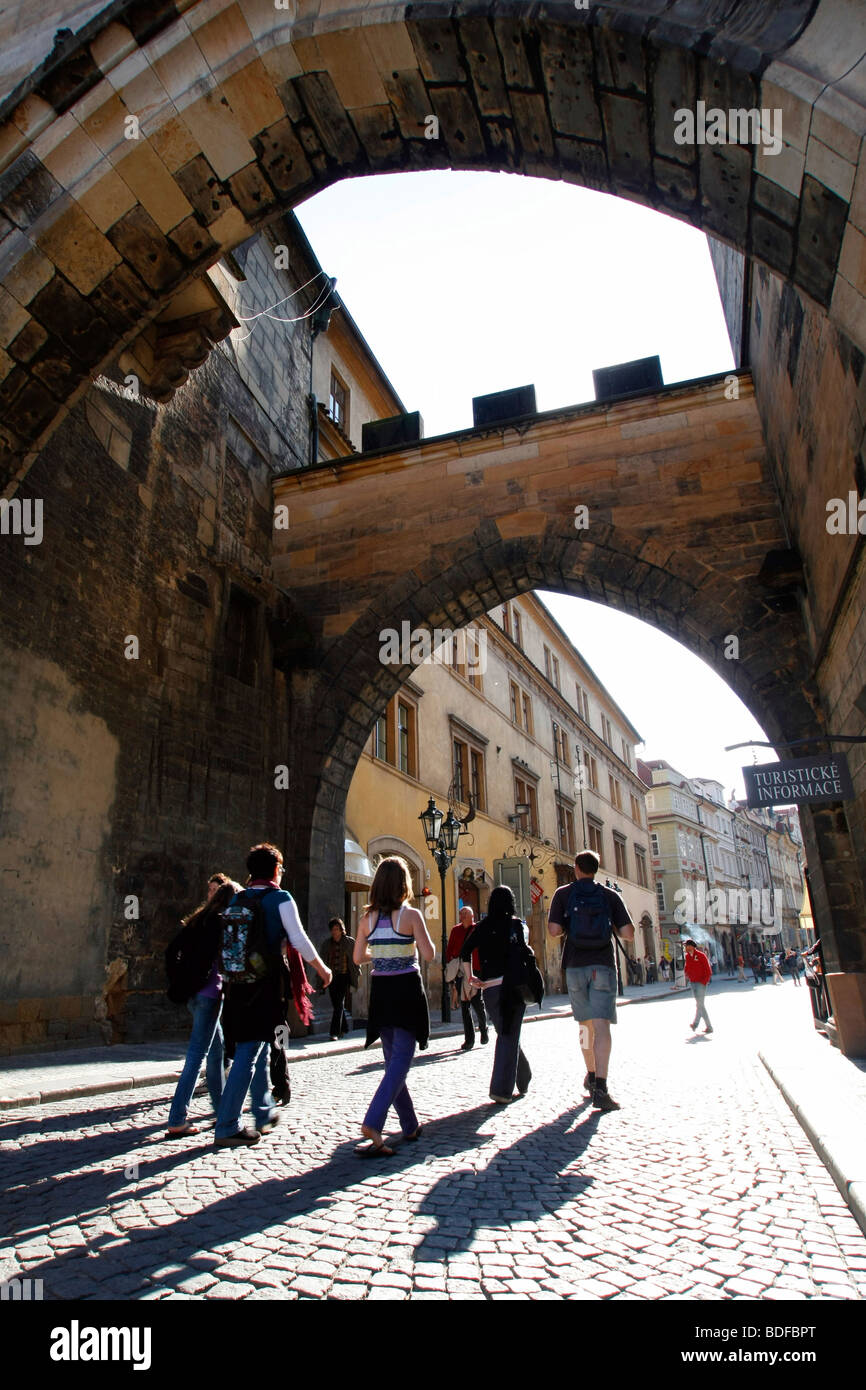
[145, 139]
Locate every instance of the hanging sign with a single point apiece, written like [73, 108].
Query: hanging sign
[817, 778]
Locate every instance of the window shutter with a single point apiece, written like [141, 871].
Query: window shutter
[514, 874]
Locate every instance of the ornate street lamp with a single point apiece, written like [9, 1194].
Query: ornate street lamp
[442, 834]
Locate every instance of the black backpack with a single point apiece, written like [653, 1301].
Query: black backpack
[588, 918]
[248, 954]
[521, 968]
[190, 957]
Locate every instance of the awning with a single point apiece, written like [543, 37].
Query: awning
[358, 869]
[806, 921]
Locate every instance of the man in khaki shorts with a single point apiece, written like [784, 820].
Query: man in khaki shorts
[588, 914]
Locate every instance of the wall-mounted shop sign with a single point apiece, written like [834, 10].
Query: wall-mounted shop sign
[818, 778]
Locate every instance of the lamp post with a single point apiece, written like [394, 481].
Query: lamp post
[442, 835]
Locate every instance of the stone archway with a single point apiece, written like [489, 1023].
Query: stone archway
[150, 142]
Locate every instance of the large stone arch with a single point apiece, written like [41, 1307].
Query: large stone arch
[246, 109]
[686, 533]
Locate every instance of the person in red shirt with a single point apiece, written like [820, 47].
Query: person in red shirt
[470, 998]
[698, 973]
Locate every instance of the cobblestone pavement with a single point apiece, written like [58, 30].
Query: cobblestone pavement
[703, 1187]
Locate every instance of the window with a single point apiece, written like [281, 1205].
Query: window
[241, 635]
[395, 736]
[594, 838]
[527, 712]
[551, 667]
[626, 753]
[406, 742]
[635, 810]
[565, 818]
[515, 703]
[518, 626]
[660, 896]
[476, 764]
[615, 792]
[506, 619]
[380, 738]
[524, 792]
[650, 801]
[464, 657]
[606, 732]
[640, 864]
[461, 769]
[560, 745]
[592, 772]
[621, 856]
[338, 402]
[654, 841]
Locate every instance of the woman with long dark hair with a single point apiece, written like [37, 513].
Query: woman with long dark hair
[494, 939]
[192, 963]
[391, 935]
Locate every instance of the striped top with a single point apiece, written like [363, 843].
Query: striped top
[393, 953]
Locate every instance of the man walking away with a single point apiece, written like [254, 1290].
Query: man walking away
[458, 974]
[587, 914]
[256, 1007]
[698, 973]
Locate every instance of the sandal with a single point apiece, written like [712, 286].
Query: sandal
[181, 1132]
[377, 1148]
[410, 1138]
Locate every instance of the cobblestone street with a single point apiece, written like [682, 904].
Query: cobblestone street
[703, 1187]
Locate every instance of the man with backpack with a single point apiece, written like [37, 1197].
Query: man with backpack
[587, 914]
[261, 928]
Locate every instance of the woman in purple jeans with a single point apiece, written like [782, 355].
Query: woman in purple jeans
[390, 935]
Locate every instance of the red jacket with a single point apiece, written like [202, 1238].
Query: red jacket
[698, 968]
[456, 937]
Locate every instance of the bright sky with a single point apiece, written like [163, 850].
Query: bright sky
[468, 283]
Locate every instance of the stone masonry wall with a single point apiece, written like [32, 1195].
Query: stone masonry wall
[137, 778]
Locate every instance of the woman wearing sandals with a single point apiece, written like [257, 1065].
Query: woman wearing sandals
[192, 963]
[391, 934]
[505, 1005]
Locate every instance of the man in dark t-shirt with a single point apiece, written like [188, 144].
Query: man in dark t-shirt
[590, 974]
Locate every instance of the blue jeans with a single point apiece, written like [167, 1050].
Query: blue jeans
[509, 1061]
[398, 1046]
[206, 1040]
[248, 1072]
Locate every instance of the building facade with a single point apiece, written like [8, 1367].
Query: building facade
[725, 874]
[513, 730]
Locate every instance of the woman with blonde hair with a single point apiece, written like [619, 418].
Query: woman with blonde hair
[391, 934]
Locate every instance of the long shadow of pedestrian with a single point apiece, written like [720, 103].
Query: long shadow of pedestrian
[422, 1061]
[522, 1183]
[181, 1244]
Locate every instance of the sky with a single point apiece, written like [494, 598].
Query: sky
[468, 283]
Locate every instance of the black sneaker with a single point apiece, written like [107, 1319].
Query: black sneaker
[602, 1101]
[239, 1140]
[485, 1037]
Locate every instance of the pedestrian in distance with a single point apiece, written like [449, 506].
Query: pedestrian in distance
[698, 973]
[777, 967]
[587, 914]
[264, 946]
[741, 967]
[192, 964]
[457, 972]
[498, 938]
[391, 935]
[338, 953]
[792, 965]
